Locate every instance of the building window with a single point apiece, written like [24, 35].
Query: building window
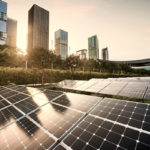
[3, 16]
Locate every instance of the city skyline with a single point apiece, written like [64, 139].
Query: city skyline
[121, 25]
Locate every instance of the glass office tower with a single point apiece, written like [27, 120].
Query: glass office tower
[105, 55]
[93, 47]
[3, 20]
[11, 32]
[61, 43]
[38, 28]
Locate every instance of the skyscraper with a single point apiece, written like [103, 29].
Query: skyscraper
[82, 53]
[3, 19]
[105, 55]
[61, 43]
[38, 28]
[93, 47]
[11, 32]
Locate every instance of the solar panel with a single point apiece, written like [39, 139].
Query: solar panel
[85, 86]
[98, 86]
[135, 90]
[70, 84]
[47, 119]
[77, 101]
[114, 88]
[8, 115]
[147, 94]
[56, 119]
[124, 112]
[127, 87]
[24, 134]
[94, 133]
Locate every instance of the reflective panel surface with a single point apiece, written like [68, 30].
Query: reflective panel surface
[41, 119]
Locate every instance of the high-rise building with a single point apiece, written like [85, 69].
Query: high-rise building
[61, 43]
[82, 53]
[93, 47]
[3, 20]
[105, 55]
[11, 32]
[38, 28]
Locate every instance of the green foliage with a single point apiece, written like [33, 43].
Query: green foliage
[46, 59]
[42, 58]
[72, 62]
[11, 56]
[33, 76]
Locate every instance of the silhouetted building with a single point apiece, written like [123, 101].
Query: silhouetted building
[105, 55]
[3, 20]
[11, 32]
[82, 53]
[61, 43]
[93, 47]
[38, 28]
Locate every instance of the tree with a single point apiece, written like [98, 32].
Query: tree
[11, 56]
[72, 62]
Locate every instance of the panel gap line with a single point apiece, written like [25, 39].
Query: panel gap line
[105, 87]
[124, 125]
[145, 93]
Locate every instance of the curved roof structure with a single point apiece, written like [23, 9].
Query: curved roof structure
[140, 62]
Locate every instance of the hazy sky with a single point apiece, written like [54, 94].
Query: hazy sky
[122, 25]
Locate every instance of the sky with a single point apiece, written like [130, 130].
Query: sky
[121, 25]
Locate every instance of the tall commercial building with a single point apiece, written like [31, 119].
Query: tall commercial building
[82, 53]
[3, 20]
[38, 28]
[61, 43]
[93, 47]
[11, 32]
[105, 55]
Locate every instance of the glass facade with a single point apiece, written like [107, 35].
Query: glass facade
[3, 20]
[11, 32]
[38, 28]
[61, 43]
[105, 55]
[93, 47]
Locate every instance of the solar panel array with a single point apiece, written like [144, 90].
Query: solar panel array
[126, 87]
[32, 118]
